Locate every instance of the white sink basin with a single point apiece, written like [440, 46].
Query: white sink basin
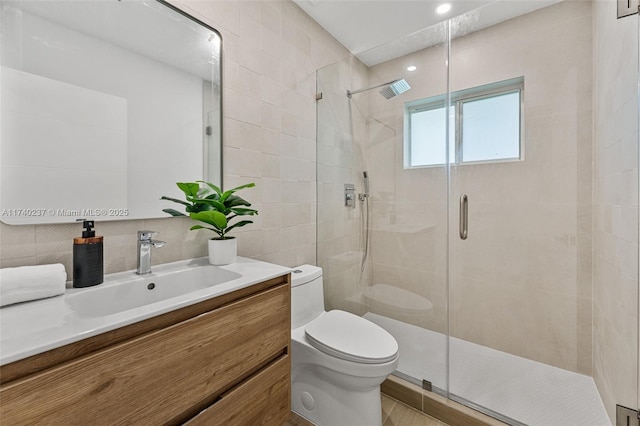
[124, 298]
[135, 291]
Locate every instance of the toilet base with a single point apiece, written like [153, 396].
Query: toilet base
[326, 404]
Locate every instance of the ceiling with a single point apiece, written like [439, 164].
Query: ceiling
[379, 30]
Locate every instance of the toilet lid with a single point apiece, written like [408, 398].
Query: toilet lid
[352, 338]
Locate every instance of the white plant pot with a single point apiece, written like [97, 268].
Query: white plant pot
[223, 252]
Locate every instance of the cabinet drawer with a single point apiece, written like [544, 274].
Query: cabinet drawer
[159, 377]
[264, 399]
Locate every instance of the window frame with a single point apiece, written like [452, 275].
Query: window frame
[458, 99]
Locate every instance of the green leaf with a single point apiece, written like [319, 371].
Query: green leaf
[175, 200]
[238, 225]
[212, 186]
[246, 185]
[194, 227]
[214, 203]
[173, 212]
[212, 196]
[189, 188]
[195, 208]
[211, 217]
[244, 212]
[234, 201]
[228, 193]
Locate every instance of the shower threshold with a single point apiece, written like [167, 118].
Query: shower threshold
[496, 382]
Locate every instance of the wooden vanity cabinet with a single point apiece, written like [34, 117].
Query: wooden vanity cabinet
[222, 361]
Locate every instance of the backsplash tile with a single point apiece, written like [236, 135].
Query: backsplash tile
[58, 238]
[17, 241]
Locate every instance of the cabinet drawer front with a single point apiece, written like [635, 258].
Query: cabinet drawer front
[158, 377]
[264, 399]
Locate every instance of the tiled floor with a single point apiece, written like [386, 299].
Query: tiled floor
[296, 420]
[394, 413]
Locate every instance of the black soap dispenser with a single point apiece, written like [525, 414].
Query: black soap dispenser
[87, 257]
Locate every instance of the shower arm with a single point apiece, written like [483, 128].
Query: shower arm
[355, 92]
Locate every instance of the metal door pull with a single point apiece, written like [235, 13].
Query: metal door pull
[464, 216]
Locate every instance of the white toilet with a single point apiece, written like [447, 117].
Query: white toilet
[338, 360]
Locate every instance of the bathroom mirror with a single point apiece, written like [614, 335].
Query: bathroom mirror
[105, 105]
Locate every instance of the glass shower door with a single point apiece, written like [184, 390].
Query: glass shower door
[407, 293]
[543, 228]
[340, 152]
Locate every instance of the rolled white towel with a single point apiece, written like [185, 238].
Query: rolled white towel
[31, 282]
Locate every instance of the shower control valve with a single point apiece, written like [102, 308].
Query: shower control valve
[350, 195]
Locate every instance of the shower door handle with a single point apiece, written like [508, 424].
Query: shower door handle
[464, 216]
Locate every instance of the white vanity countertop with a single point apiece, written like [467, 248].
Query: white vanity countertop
[34, 327]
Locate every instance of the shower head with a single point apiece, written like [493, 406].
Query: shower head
[395, 88]
[389, 89]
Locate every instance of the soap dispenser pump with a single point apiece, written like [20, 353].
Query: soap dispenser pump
[88, 257]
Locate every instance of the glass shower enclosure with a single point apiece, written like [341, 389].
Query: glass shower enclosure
[496, 233]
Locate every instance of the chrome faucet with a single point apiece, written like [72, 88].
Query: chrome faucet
[145, 242]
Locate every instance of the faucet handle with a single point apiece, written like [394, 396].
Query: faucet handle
[146, 235]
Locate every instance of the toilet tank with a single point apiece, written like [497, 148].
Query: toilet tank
[307, 295]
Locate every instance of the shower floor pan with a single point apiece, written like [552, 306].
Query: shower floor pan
[527, 391]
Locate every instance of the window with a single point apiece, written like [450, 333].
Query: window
[485, 125]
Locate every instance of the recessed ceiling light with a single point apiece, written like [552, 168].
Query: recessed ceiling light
[412, 68]
[443, 8]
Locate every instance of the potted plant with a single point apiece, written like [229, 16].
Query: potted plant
[215, 208]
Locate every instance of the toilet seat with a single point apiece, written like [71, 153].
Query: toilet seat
[352, 338]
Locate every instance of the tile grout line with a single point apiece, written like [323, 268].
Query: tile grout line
[395, 402]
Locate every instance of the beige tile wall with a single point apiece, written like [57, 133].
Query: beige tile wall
[615, 193]
[271, 52]
[521, 282]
